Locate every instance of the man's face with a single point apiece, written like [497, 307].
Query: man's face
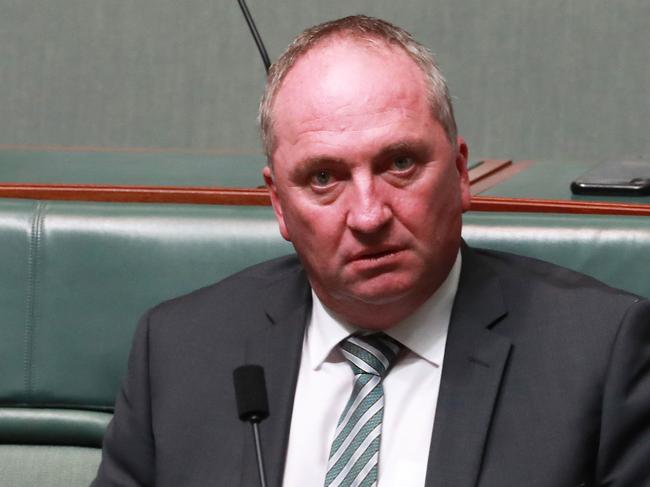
[365, 183]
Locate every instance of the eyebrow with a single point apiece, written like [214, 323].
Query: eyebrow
[413, 146]
[315, 162]
[404, 146]
[320, 160]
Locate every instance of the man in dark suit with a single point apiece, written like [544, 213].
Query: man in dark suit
[488, 369]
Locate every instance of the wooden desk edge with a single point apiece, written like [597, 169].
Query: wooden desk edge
[172, 194]
[486, 172]
[517, 205]
[137, 194]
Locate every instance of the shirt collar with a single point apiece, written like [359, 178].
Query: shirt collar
[424, 332]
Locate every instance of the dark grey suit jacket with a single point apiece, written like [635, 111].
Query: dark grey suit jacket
[545, 383]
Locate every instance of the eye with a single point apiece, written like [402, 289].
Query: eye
[322, 177]
[403, 163]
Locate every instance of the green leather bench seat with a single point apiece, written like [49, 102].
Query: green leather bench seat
[75, 277]
[47, 466]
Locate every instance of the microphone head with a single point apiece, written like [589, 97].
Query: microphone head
[250, 391]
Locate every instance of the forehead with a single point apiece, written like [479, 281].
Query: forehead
[342, 81]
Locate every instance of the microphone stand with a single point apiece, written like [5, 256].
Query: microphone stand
[258, 451]
[255, 33]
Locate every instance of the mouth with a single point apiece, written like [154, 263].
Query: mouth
[375, 255]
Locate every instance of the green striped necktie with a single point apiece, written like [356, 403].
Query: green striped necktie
[354, 456]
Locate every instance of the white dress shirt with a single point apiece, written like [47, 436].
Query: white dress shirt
[411, 389]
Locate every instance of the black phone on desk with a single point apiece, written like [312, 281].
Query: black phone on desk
[615, 178]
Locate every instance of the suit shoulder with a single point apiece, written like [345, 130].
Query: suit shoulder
[238, 294]
[534, 274]
[550, 308]
[250, 279]
[554, 297]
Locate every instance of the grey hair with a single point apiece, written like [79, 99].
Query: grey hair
[365, 29]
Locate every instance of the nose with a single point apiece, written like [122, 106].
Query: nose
[368, 211]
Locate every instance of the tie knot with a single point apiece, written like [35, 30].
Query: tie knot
[370, 354]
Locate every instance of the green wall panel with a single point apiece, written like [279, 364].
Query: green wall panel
[543, 80]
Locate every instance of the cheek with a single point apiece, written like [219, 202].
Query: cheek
[433, 213]
[312, 229]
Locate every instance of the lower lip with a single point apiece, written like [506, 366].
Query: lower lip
[376, 260]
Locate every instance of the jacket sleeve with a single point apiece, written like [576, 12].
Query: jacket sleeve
[624, 452]
[128, 454]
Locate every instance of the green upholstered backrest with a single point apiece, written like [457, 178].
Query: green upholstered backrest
[76, 276]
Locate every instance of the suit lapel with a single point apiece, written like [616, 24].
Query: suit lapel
[475, 359]
[278, 349]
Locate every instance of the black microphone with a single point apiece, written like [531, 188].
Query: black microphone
[252, 405]
[255, 33]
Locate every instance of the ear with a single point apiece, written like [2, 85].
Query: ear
[269, 180]
[462, 157]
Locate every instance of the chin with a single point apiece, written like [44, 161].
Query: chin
[359, 293]
[383, 294]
